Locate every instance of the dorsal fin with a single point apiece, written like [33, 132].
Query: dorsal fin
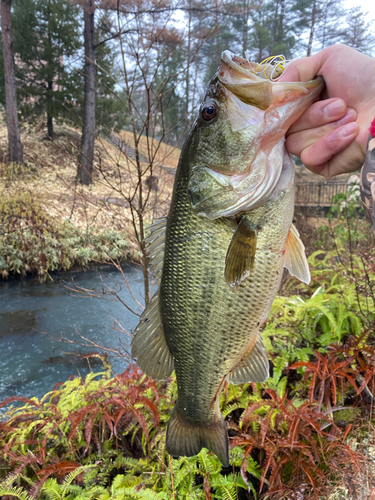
[149, 347]
[254, 367]
[155, 243]
[295, 257]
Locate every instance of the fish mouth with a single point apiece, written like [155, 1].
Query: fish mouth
[240, 77]
[262, 111]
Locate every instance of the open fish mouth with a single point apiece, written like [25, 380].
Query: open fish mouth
[249, 129]
[252, 83]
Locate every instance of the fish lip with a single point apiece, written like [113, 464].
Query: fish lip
[229, 59]
[234, 62]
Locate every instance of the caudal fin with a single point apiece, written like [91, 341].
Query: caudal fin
[186, 438]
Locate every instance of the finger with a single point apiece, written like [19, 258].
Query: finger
[329, 145]
[305, 69]
[298, 141]
[320, 113]
[348, 160]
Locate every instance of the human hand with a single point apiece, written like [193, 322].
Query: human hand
[331, 136]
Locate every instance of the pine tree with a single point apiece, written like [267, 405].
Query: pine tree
[260, 34]
[168, 85]
[111, 112]
[277, 26]
[46, 36]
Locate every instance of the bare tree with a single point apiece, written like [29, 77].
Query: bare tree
[85, 166]
[327, 18]
[14, 141]
[359, 31]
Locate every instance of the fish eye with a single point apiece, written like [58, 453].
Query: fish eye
[209, 111]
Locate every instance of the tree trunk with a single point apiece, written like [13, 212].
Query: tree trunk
[15, 154]
[245, 30]
[85, 166]
[49, 83]
[188, 64]
[312, 29]
[49, 111]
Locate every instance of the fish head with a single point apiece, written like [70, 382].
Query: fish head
[240, 133]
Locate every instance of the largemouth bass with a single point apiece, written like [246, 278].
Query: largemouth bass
[219, 254]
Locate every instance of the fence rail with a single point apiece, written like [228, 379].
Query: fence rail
[318, 194]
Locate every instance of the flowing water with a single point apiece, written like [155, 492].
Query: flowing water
[34, 314]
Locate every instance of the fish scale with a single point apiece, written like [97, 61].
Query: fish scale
[219, 254]
[206, 324]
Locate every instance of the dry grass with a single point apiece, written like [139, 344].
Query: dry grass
[50, 175]
[165, 155]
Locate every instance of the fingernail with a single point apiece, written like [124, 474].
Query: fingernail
[334, 108]
[350, 116]
[348, 130]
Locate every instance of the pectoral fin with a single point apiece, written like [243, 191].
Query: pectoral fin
[254, 367]
[295, 257]
[240, 257]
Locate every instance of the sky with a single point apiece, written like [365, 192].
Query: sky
[366, 5]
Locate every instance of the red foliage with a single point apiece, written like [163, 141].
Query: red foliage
[299, 446]
[114, 408]
[293, 447]
[339, 369]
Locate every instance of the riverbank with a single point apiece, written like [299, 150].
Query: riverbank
[49, 222]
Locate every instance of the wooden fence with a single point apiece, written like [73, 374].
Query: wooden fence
[319, 194]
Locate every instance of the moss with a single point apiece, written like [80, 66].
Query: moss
[347, 416]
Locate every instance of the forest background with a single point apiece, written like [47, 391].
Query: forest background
[125, 78]
[102, 96]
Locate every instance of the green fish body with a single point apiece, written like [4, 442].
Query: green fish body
[219, 266]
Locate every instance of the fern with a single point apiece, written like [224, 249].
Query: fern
[13, 491]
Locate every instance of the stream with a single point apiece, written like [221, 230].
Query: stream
[34, 315]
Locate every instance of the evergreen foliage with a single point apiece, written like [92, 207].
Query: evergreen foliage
[49, 57]
[46, 37]
[359, 33]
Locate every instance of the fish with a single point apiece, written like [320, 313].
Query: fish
[219, 254]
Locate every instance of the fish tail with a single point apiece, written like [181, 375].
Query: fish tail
[185, 438]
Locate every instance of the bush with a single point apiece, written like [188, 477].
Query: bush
[31, 243]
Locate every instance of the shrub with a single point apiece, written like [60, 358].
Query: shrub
[31, 243]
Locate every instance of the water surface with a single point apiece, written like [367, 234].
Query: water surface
[32, 362]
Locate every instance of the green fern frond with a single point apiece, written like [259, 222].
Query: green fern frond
[14, 491]
[69, 478]
[52, 489]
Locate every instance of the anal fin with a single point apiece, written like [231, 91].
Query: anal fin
[149, 346]
[240, 257]
[295, 256]
[254, 367]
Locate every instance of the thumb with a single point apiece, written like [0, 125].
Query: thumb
[305, 69]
